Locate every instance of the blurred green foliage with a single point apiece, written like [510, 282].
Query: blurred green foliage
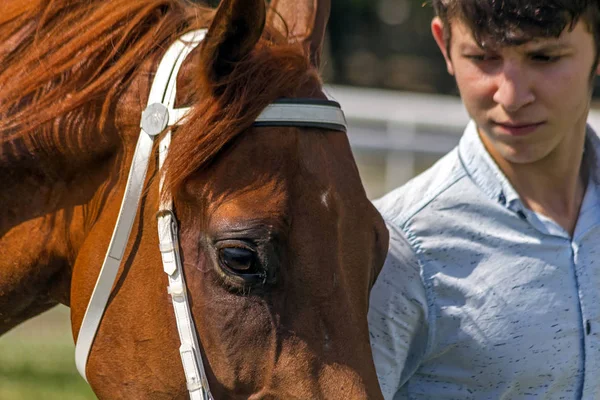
[385, 44]
[37, 361]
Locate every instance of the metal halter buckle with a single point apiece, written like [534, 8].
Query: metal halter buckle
[155, 119]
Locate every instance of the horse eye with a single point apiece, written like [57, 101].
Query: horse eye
[239, 260]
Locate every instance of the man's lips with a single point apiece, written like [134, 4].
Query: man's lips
[518, 128]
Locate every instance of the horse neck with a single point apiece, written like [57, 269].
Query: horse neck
[56, 189]
[52, 196]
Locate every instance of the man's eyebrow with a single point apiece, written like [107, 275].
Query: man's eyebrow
[530, 47]
[471, 45]
[548, 47]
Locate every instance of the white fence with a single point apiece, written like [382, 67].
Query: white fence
[395, 135]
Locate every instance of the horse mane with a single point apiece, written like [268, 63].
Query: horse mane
[70, 52]
[69, 59]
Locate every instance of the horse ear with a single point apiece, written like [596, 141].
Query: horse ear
[233, 34]
[306, 22]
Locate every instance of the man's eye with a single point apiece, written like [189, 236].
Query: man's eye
[544, 58]
[481, 57]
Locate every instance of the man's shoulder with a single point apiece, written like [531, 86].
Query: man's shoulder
[401, 204]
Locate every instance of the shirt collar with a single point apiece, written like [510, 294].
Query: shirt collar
[484, 171]
[593, 146]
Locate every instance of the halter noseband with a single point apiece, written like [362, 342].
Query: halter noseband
[158, 116]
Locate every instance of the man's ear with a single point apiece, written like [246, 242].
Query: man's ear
[437, 29]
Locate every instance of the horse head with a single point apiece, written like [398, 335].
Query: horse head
[279, 244]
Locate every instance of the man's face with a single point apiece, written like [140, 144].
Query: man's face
[528, 101]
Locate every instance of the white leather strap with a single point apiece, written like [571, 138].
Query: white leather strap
[189, 350]
[308, 115]
[191, 356]
[127, 213]
[178, 115]
[327, 116]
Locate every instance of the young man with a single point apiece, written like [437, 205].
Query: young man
[491, 288]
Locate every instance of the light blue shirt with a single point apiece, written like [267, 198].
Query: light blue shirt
[480, 297]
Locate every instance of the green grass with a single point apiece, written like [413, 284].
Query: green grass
[37, 361]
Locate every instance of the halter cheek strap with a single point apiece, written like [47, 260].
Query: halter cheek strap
[153, 120]
[158, 116]
[189, 349]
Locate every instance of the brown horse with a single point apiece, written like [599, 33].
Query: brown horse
[74, 79]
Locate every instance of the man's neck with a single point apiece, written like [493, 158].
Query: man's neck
[553, 186]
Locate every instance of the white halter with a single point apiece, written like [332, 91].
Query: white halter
[158, 116]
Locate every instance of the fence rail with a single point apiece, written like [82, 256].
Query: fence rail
[400, 129]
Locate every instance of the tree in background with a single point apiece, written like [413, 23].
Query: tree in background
[384, 44]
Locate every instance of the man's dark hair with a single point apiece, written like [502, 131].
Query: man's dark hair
[513, 22]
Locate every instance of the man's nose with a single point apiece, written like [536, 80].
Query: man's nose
[514, 88]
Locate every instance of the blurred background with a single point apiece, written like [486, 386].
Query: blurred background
[384, 68]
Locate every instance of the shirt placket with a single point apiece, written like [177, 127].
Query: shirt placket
[589, 283]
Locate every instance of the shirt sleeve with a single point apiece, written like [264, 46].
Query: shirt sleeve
[398, 316]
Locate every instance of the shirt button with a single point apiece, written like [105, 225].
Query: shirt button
[502, 198]
[588, 327]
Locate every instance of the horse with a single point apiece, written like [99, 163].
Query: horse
[281, 203]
